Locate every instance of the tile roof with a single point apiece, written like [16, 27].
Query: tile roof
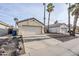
[29, 19]
[56, 25]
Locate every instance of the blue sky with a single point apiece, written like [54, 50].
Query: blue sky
[27, 10]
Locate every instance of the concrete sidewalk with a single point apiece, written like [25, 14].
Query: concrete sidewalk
[72, 45]
[51, 47]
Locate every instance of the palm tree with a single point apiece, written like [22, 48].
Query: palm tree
[56, 22]
[75, 11]
[49, 9]
[44, 15]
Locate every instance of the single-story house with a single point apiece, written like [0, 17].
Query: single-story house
[58, 28]
[3, 28]
[30, 26]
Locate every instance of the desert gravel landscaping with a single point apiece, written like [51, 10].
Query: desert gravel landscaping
[62, 37]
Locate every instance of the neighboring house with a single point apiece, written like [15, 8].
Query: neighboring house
[58, 28]
[30, 26]
[3, 28]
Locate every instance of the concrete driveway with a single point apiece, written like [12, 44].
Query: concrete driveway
[49, 46]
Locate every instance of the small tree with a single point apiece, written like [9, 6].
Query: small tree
[56, 22]
[16, 24]
[16, 20]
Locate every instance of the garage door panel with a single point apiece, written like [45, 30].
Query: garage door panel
[30, 30]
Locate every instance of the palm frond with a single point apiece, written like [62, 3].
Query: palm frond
[75, 9]
[50, 7]
[71, 7]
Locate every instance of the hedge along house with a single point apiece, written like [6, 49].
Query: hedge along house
[30, 26]
[3, 28]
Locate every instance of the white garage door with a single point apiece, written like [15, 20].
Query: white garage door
[30, 30]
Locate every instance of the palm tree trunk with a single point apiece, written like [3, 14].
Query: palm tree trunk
[44, 15]
[74, 26]
[48, 21]
[69, 20]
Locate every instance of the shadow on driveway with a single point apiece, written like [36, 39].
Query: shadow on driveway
[37, 39]
[62, 37]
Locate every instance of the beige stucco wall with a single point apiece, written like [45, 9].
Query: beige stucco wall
[30, 23]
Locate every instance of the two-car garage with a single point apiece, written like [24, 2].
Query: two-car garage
[30, 27]
[31, 30]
